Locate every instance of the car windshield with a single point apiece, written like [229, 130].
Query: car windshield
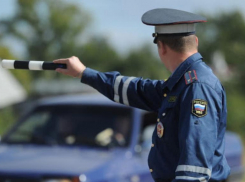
[88, 125]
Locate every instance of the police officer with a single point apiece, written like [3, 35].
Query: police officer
[188, 141]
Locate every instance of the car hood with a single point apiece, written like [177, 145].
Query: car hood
[19, 159]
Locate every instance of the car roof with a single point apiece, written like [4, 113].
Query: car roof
[88, 99]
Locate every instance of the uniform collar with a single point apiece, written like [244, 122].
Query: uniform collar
[181, 70]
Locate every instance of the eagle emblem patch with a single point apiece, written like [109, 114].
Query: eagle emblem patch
[199, 107]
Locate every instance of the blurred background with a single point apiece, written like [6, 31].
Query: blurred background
[109, 35]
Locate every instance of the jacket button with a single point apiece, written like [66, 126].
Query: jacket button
[163, 114]
[164, 95]
[152, 145]
[151, 170]
[158, 119]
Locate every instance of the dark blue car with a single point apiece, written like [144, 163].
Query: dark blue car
[86, 138]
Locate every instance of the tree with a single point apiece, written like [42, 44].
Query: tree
[98, 54]
[59, 32]
[225, 32]
[46, 29]
[7, 116]
[143, 63]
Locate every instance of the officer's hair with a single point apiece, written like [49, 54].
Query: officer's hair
[179, 44]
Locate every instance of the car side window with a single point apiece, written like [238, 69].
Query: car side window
[33, 124]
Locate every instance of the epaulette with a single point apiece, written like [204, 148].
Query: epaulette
[190, 77]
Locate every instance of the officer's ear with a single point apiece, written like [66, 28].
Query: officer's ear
[162, 48]
[197, 41]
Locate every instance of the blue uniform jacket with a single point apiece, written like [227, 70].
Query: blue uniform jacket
[188, 141]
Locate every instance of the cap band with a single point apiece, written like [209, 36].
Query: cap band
[173, 29]
[156, 35]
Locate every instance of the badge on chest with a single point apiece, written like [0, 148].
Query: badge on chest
[160, 129]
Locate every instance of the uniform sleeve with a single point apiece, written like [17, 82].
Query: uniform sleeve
[131, 91]
[198, 121]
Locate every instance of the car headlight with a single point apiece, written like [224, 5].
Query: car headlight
[81, 178]
[76, 179]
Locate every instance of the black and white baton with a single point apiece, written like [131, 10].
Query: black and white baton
[31, 65]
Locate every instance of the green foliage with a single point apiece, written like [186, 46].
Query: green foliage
[142, 63]
[236, 116]
[47, 30]
[50, 30]
[22, 76]
[7, 116]
[226, 33]
[7, 119]
[98, 54]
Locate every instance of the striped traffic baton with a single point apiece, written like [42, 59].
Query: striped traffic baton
[31, 65]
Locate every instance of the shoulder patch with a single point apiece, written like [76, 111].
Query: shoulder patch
[199, 107]
[190, 77]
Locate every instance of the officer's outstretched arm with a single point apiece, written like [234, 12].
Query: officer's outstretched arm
[136, 92]
[131, 91]
[198, 125]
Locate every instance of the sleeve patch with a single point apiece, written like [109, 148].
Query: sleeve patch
[199, 107]
[190, 77]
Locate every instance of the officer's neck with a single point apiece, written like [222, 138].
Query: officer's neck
[174, 59]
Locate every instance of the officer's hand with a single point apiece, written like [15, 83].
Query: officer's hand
[74, 67]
